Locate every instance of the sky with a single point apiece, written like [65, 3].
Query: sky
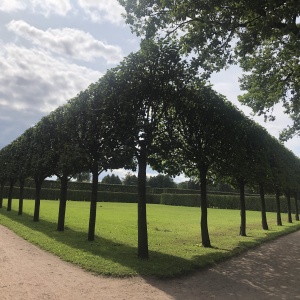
[51, 50]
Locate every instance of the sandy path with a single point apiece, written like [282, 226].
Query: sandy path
[271, 271]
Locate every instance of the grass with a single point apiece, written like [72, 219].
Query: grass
[173, 232]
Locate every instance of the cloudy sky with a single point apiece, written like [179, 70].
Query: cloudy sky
[50, 50]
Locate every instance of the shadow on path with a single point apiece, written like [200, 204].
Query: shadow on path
[270, 271]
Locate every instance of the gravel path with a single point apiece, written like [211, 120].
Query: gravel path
[271, 271]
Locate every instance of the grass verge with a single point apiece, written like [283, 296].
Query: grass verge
[173, 233]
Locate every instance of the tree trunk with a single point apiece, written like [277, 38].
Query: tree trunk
[1, 194]
[296, 207]
[10, 194]
[93, 205]
[62, 203]
[204, 226]
[142, 207]
[279, 222]
[263, 207]
[22, 183]
[243, 207]
[37, 202]
[288, 199]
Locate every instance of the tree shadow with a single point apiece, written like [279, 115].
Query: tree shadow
[267, 271]
[112, 250]
[260, 273]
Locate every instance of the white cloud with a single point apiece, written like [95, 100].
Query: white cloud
[48, 7]
[44, 7]
[33, 81]
[12, 5]
[69, 42]
[103, 10]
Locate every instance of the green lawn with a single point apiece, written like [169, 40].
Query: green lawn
[173, 233]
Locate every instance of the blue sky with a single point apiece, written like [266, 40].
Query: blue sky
[50, 50]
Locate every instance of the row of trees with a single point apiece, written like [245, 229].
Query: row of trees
[153, 110]
[158, 181]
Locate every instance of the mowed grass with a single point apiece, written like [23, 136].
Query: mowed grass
[173, 234]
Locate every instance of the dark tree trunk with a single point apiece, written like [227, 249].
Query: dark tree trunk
[288, 199]
[204, 226]
[62, 203]
[37, 202]
[1, 194]
[142, 207]
[279, 222]
[263, 207]
[296, 207]
[21, 197]
[10, 194]
[243, 207]
[93, 205]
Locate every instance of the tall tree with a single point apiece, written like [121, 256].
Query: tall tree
[143, 86]
[67, 157]
[97, 139]
[240, 164]
[22, 167]
[263, 36]
[161, 181]
[40, 156]
[201, 127]
[3, 178]
[83, 177]
[111, 179]
[10, 170]
[130, 179]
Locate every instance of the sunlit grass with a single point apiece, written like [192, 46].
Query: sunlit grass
[173, 232]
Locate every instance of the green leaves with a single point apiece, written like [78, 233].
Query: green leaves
[263, 36]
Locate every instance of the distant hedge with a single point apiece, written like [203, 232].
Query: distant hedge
[84, 186]
[227, 201]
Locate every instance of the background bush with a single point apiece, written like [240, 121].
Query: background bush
[166, 196]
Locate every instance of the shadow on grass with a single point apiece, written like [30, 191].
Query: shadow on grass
[159, 264]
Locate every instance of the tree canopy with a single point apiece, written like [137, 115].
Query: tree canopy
[262, 36]
[111, 179]
[152, 109]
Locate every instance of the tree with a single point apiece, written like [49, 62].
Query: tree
[83, 177]
[111, 179]
[10, 170]
[201, 128]
[296, 206]
[143, 86]
[130, 179]
[22, 168]
[97, 138]
[263, 36]
[40, 157]
[3, 176]
[68, 160]
[240, 163]
[161, 181]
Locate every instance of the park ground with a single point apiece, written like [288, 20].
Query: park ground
[270, 271]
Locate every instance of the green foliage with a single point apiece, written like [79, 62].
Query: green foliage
[263, 36]
[161, 181]
[130, 179]
[189, 185]
[83, 177]
[111, 179]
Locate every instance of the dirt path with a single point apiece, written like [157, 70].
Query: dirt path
[271, 271]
